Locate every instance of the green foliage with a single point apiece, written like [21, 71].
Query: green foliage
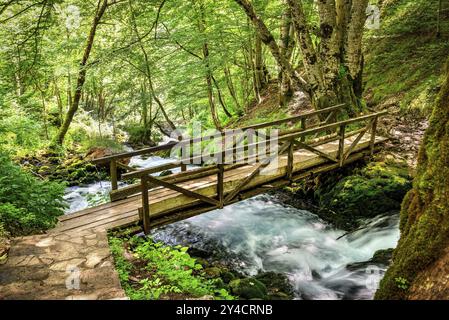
[27, 205]
[19, 134]
[402, 283]
[168, 271]
[404, 59]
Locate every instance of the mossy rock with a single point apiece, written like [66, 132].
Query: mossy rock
[380, 258]
[277, 284]
[203, 262]
[376, 189]
[227, 276]
[248, 288]
[383, 257]
[212, 272]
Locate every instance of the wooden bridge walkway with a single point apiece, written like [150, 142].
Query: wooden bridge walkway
[314, 142]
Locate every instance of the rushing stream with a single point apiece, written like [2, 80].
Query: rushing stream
[260, 234]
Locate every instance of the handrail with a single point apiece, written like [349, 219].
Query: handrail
[230, 132]
[329, 127]
[286, 135]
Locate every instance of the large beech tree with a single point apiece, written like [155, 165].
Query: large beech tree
[333, 65]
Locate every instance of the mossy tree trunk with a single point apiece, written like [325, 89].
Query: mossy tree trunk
[333, 63]
[420, 262]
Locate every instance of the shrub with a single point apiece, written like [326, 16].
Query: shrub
[19, 134]
[27, 205]
[159, 270]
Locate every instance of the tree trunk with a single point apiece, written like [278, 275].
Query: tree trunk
[334, 68]
[101, 8]
[252, 67]
[421, 259]
[220, 98]
[268, 39]
[209, 80]
[148, 70]
[210, 93]
[287, 45]
[231, 87]
[59, 101]
[259, 64]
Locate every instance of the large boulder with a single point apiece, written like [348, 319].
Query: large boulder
[248, 288]
[376, 189]
[277, 284]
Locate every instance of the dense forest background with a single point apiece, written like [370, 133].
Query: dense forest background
[137, 70]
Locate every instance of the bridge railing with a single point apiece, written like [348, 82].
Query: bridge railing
[305, 121]
[287, 142]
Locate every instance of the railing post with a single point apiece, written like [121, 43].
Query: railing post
[113, 172]
[373, 136]
[341, 145]
[220, 174]
[220, 184]
[145, 205]
[303, 128]
[290, 160]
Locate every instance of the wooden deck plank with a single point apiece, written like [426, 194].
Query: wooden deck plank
[162, 200]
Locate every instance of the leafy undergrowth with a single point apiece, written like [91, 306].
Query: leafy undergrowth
[150, 270]
[405, 58]
[27, 205]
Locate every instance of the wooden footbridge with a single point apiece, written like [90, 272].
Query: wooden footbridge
[314, 142]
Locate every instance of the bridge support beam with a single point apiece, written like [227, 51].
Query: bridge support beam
[113, 171]
[145, 205]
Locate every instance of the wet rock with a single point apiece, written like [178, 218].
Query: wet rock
[316, 275]
[248, 288]
[375, 189]
[381, 258]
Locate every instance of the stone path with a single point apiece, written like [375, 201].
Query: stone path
[60, 266]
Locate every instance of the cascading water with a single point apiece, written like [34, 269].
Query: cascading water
[260, 234]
